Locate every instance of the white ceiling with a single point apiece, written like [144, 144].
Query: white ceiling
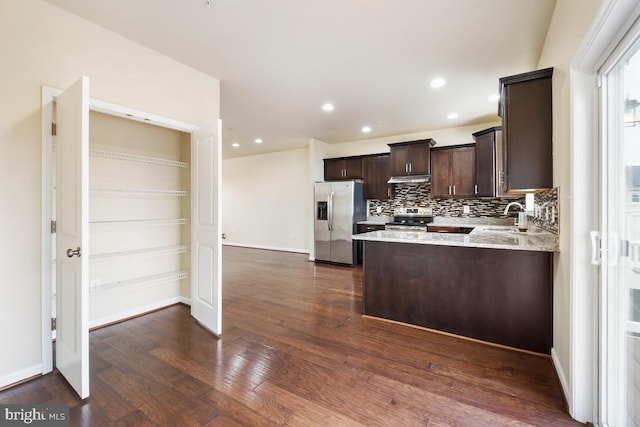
[279, 61]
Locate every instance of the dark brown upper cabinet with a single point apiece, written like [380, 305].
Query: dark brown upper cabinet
[490, 163]
[411, 158]
[377, 171]
[453, 171]
[343, 168]
[526, 111]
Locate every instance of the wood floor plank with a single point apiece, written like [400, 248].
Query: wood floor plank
[295, 351]
[306, 412]
[161, 404]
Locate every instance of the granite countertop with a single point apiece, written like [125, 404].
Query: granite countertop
[482, 236]
[376, 220]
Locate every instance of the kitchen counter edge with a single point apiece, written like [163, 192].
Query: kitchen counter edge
[540, 242]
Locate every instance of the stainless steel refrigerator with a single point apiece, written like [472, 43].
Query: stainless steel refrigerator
[339, 205]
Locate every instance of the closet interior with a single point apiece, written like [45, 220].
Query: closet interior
[139, 217]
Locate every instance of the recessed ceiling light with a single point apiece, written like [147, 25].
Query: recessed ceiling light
[495, 97]
[437, 82]
[235, 145]
[452, 116]
[327, 107]
[258, 140]
[366, 129]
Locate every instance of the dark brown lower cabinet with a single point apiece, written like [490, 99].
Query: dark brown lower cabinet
[495, 295]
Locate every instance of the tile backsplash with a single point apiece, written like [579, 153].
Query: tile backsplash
[546, 213]
[419, 195]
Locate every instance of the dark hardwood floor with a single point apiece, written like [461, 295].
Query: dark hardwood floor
[296, 351]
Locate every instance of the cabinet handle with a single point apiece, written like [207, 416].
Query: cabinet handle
[449, 190]
[406, 168]
[501, 174]
[410, 167]
[475, 189]
[454, 190]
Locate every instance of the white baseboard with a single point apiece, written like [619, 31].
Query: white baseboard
[269, 248]
[135, 312]
[185, 301]
[563, 378]
[20, 375]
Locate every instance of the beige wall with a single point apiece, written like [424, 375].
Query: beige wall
[266, 200]
[43, 45]
[570, 23]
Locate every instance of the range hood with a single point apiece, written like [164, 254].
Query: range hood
[410, 179]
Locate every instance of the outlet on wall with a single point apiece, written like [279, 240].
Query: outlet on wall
[466, 209]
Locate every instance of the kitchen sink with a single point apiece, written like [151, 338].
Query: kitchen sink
[511, 230]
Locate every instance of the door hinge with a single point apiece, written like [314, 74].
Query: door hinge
[53, 227]
[53, 323]
[54, 129]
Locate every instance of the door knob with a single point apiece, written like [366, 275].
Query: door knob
[72, 252]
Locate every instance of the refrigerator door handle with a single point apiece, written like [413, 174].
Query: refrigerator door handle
[330, 211]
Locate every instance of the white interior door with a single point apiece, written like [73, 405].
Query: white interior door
[72, 216]
[206, 259]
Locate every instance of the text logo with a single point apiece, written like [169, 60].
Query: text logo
[34, 415]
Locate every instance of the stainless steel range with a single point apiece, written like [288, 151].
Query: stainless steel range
[410, 219]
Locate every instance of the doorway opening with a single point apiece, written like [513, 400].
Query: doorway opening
[147, 178]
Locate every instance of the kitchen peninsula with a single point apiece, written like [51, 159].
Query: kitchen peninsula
[494, 284]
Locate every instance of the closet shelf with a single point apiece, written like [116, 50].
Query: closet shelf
[139, 191]
[137, 158]
[115, 155]
[144, 280]
[150, 222]
[161, 250]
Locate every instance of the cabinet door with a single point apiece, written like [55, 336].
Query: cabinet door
[377, 171]
[463, 171]
[527, 125]
[333, 170]
[485, 165]
[343, 168]
[399, 160]
[501, 166]
[441, 176]
[419, 159]
[352, 168]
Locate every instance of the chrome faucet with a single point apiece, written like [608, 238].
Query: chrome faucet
[506, 210]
